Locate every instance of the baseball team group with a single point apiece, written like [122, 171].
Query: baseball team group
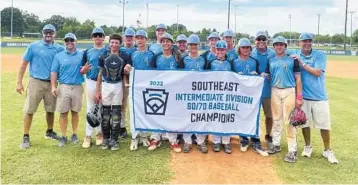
[292, 79]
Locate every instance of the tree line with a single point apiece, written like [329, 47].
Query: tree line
[25, 22]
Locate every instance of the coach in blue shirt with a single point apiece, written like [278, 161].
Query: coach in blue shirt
[65, 69]
[316, 106]
[39, 55]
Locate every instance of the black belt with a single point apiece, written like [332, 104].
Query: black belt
[111, 82]
[42, 80]
[94, 79]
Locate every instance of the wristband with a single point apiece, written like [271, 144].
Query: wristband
[299, 96]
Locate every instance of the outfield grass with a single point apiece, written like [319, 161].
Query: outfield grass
[45, 163]
[344, 116]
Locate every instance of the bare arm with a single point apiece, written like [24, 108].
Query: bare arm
[99, 81]
[299, 97]
[54, 83]
[20, 76]
[315, 71]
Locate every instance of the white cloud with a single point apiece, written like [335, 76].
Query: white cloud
[249, 19]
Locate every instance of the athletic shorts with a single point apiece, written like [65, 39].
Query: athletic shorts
[69, 98]
[317, 112]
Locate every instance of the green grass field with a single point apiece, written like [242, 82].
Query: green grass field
[45, 163]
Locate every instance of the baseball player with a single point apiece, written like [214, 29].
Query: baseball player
[181, 42]
[315, 100]
[220, 64]
[262, 53]
[194, 62]
[110, 92]
[165, 61]
[228, 36]
[286, 94]
[210, 55]
[90, 68]
[247, 65]
[141, 59]
[128, 48]
[39, 55]
[66, 68]
[159, 31]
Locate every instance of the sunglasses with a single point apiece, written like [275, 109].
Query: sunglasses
[48, 32]
[245, 47]
[261, 39]
[69, 40]
[97, 35]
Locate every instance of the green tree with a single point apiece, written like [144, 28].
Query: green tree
[32, 22]
[18, 22]
[56, 20]
[338, 38]
[355, 37]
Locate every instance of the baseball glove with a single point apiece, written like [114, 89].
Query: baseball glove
[298, 117]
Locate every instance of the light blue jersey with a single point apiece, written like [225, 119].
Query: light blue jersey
[128, 51]
[193, 64]
[156, 48]
[40, 56]
[263, 57]
[231, 55]
[219, 65]
[282, 70]
[91, 56]
[246, 67]
[166, 63]
[142, 59]
[313, 88]
[67, 66]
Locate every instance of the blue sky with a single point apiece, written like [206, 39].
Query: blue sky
[251, 15]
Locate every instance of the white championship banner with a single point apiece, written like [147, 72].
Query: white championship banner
[204, 102]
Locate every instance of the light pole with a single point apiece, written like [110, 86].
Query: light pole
[235, 17]
[124, 2]
[228, 16]
[352, 12]
[345, 25]
[12, 14]
[289, 16]
[147, 4]
[319, 19]
[177, 18]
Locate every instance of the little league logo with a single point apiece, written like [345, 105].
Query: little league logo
[155, 101]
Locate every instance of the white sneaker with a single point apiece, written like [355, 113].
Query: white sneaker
[145, 141]
[134, 145]
[307, 151]
[329, 155]
[244, 148]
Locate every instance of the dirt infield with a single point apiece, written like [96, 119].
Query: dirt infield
[10, 62]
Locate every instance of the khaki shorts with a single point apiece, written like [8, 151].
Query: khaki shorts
[266, 105]
[38, 90]
[69, 98]
[318, 112]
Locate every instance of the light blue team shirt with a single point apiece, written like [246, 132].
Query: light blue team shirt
[246, 67]
[219, 65]
[282, 70]
[193, 64]
[142, 59]
[263, 58]
[166, 63]
[91, 56]
[40, 56]
[128, 51]
[155, 48]
[67, 66]
[210, 57]
[231, 55]
[313, 88]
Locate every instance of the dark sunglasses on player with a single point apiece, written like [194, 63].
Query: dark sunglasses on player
[261, 39]
[48, 32]
[97, 35]
[69, 40]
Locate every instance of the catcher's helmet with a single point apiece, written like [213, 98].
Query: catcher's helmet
[298, 117]
[94, 116]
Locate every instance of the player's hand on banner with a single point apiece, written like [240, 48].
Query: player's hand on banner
[127, 68]
[97, 97]
[253, 73]
[19, 88]
[54, 91]
[240, 73]
[127, 85]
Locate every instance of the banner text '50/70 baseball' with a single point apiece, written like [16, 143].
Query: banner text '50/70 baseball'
[210, 102]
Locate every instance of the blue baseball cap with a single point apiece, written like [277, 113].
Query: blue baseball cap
[70, 36]
[161, 26]
[228, 33]
[244, 42]
[193, 39]
[181, 37]
[142, 33]
[97, 30]
[167, 36]
[261, 33]
[221, 44]
[279, 39]
[306, 36]
[129, 32]
[214, 35]
[49, 27]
